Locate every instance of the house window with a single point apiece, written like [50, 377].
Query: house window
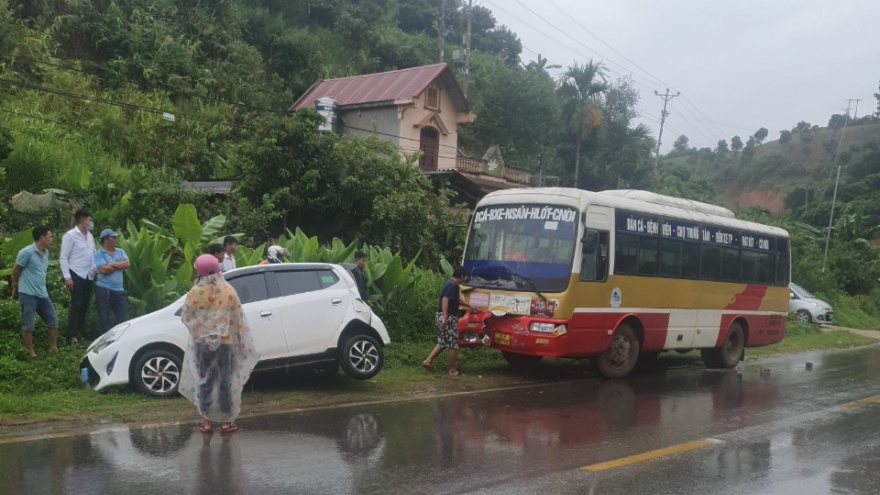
[432, 98]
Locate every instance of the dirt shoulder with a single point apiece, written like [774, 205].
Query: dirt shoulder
[871, 334]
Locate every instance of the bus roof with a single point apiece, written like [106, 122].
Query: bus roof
[630, 199]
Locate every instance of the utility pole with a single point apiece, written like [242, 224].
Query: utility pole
[442, 29]
[836, 182]
[467, 50]
[666, 97]
[856, 111]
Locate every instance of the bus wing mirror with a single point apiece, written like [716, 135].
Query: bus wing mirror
[590, 241]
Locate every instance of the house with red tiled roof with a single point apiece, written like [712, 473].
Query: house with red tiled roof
[416, 109]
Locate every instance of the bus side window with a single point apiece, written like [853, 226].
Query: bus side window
[594, 266]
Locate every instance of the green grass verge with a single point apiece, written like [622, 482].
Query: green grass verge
[401, 378]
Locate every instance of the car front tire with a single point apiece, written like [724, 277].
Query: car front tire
[804, 316]
[157, 373]
[361, 357]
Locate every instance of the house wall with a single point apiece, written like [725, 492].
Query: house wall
[381, 122]
[410, 134]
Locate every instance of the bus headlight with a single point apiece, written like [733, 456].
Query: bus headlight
[559, 331]
[542, 327]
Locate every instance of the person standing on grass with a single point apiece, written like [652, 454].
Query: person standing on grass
[29, 287]
[447, 321]
[230, 246]
[109, 293]
[78, 268]
[220, 352]
[360, 276]
[216, 250]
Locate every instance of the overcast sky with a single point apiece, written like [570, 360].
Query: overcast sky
[739, 65]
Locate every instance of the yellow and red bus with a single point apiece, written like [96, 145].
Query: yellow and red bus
[620, 276]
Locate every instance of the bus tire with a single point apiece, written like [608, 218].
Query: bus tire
[620, 358]
[730, 352]
[520, 360]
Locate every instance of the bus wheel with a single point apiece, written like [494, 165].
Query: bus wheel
[520, 360]
[730, 351]
[621, 356]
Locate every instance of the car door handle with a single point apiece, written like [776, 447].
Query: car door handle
[336, 301]
[266, 314]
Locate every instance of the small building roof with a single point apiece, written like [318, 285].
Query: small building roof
[385, 88]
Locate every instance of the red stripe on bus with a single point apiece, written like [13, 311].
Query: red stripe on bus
[749, 299]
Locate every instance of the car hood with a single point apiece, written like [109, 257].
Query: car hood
[818, 302]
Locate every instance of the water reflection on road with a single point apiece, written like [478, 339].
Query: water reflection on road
[771, 427]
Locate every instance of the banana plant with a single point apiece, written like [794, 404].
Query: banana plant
[150, 255]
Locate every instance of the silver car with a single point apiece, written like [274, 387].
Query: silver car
[807, 308]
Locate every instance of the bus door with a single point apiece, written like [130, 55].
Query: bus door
[591, 295]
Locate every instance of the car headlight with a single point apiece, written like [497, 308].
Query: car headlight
[108, 338]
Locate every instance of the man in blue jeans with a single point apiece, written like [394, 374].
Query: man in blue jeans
[29, 287]
[109, 293]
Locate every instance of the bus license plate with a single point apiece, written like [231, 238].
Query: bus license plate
[502, 338]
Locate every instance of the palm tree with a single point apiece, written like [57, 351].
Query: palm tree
[626, 154]
[581, 88]
[540, 65]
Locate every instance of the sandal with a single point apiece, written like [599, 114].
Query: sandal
[206, 429]
[228, 429]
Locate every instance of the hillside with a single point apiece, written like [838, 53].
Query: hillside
[776, 169]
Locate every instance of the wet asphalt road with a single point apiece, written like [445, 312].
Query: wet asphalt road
[673, 431]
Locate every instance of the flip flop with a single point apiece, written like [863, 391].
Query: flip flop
[454, 373]
[33, 358]
[428, 366]
[207, 430]
[229, 430]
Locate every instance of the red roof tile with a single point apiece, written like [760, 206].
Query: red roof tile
[382, 87]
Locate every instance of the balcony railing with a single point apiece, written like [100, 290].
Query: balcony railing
[478, 167]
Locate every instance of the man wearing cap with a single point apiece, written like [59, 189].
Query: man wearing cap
[109, 293]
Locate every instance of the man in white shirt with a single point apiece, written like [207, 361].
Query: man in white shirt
[78, 268]
[230, 245]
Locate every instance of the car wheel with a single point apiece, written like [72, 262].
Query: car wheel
[157, 373]
[361, 357]
[621, 356]
[804, 316]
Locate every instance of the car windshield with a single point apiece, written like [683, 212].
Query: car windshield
[521, 247]
[801, 292]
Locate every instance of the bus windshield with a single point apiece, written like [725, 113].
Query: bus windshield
[521, 247]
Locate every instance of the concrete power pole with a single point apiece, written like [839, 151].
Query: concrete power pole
[442, 29]
[836, 182]
[666, 97]
[467, 50]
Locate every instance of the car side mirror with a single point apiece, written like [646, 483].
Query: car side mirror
[590, 241]
[791, 295]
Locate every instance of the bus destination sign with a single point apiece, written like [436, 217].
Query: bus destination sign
[666, 228]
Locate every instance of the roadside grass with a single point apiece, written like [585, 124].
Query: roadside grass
[401, 378]
[801, 337]
[849, 312]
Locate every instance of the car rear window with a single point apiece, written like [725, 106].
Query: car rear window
[296, 282]
[327, 278]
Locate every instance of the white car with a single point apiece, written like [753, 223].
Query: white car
[807, 308]
[299, 314]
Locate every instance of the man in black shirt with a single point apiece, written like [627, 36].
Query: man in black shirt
[447, 322]
[360, 276]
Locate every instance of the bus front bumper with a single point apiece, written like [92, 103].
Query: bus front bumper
[514, 333]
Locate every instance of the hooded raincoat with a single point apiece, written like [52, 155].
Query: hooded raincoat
[220, 352]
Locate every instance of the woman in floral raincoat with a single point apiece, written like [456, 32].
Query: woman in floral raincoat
[220, 353]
